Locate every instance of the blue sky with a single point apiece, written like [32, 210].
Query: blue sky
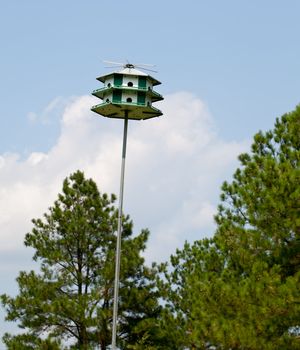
[228, 69]
[240, 57]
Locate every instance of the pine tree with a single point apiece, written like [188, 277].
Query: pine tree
[188, 289]
[70, 300]
[259, 231]
[241, 289]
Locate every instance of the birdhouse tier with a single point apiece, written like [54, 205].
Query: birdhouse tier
[127, 94]
[127, 90]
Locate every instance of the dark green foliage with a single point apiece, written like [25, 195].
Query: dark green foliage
[188, 287]
[241, 289]
[263, 201]
[29, 342]
[71, 298]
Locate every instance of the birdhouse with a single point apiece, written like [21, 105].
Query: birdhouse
[127, 93]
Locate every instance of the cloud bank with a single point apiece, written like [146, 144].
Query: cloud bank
[174, 168]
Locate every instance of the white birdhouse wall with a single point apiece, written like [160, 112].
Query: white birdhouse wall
[128, 80]
[127, 95]
[109, 81]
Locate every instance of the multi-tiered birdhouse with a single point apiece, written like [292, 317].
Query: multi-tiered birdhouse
[127, 94]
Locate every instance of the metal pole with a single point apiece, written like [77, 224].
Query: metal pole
[118, 248]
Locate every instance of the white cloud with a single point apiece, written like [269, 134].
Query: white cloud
[50, 113]
[175, 165]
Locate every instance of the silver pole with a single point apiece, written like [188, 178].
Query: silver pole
[118, 248]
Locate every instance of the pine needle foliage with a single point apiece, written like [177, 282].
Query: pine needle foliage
[70, 299]
[240, 290]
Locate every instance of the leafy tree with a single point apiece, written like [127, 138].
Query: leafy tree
[241, 289]
[187, 288]
[30, 342]
[263, 201]
[70, 300]
[259, 231]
